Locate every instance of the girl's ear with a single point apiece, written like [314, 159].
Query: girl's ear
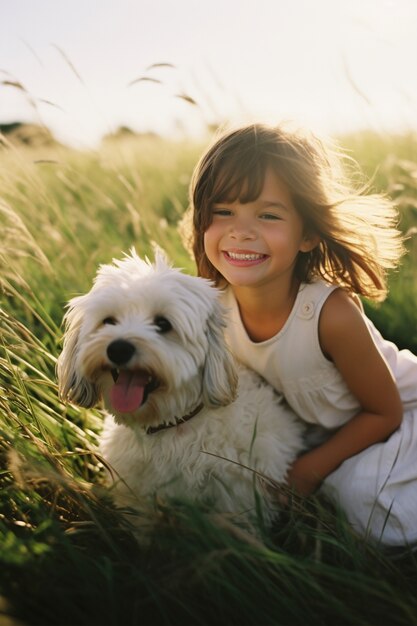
[309, 242]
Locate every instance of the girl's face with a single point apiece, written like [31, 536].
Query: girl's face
[257, 243]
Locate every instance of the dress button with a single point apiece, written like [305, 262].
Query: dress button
[306, 310]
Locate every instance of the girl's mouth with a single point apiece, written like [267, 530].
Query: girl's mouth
[244, 259]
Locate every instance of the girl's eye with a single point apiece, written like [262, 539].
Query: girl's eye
[222, 212]
[270, 216]
[112, 321]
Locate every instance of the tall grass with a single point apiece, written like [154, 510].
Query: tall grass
[66, 554]
[390, 162]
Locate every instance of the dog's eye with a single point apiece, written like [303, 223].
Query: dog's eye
[163, 324]
[110, 320]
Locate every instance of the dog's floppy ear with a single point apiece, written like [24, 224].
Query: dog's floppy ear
[73, 387]
[219, 375]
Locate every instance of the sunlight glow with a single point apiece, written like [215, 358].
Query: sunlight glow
[335, 66]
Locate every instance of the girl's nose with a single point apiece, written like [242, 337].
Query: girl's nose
[242, 229]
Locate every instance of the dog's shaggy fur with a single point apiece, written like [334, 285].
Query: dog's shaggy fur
[148, 340]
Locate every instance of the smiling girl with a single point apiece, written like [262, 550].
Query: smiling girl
[292, 245]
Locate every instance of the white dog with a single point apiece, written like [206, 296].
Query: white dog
[148, 340]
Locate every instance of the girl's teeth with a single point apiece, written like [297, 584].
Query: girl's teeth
[245, 257]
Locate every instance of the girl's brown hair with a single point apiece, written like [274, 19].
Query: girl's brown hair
[358, 238]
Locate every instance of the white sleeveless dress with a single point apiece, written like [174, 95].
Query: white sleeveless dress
[377, 488]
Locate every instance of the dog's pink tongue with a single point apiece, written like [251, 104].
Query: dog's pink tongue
[127, 393]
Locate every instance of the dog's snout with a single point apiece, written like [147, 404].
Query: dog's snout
[120, 351]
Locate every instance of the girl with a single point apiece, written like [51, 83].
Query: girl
[293, 246]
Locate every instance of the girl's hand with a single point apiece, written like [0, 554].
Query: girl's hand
[301, 480]
[303, 476]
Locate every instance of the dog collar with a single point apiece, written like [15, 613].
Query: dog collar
[151, 430]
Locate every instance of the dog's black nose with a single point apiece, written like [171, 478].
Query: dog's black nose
[120, 351]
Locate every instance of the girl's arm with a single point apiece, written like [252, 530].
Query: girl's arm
[346, 340]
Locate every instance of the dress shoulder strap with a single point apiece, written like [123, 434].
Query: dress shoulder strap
[312, 296]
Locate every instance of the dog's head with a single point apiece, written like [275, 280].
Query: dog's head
[147, 339]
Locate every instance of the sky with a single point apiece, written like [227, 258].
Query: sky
[85, 67]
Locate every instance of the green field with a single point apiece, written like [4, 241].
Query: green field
[66, 556]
